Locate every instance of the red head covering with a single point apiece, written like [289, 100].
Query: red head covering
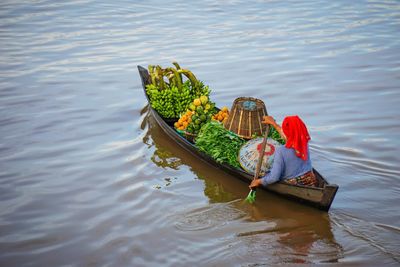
[297, 135]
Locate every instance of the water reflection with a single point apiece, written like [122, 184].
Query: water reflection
[298, 234]
[310, 243]
[162, 156]
[301, 235]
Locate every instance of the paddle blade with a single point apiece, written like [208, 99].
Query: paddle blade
[251, 197]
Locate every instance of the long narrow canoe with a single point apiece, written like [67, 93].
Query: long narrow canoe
[320, 197]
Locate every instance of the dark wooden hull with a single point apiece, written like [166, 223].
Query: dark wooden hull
[319, 197]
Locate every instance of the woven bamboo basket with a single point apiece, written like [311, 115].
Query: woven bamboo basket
[246, 116]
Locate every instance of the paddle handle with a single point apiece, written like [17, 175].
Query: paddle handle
[260, 158]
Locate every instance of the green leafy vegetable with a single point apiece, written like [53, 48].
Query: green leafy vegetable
[273, 133]
[221, 144]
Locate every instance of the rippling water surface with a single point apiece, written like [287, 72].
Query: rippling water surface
[87, 178]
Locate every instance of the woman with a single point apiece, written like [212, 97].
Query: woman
[292, 162]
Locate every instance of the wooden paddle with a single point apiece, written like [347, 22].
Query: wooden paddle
[251, 197]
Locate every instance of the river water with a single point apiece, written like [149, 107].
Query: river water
[87, 178]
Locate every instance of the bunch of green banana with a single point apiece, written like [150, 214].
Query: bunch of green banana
[169, 95]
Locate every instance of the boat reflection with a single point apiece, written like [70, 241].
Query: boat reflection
[302, 236]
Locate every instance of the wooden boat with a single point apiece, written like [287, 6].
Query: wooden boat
[320, 197]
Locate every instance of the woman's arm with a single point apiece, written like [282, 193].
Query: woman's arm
[271, 121]
[275, 173]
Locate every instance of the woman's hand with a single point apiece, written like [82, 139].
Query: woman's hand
[269, 120]
[255, 183]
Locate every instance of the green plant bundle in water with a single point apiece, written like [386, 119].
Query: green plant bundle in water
[221, 144]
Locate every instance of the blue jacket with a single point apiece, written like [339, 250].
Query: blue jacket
[286, 165]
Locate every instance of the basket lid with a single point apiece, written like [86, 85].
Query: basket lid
[249, 154]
